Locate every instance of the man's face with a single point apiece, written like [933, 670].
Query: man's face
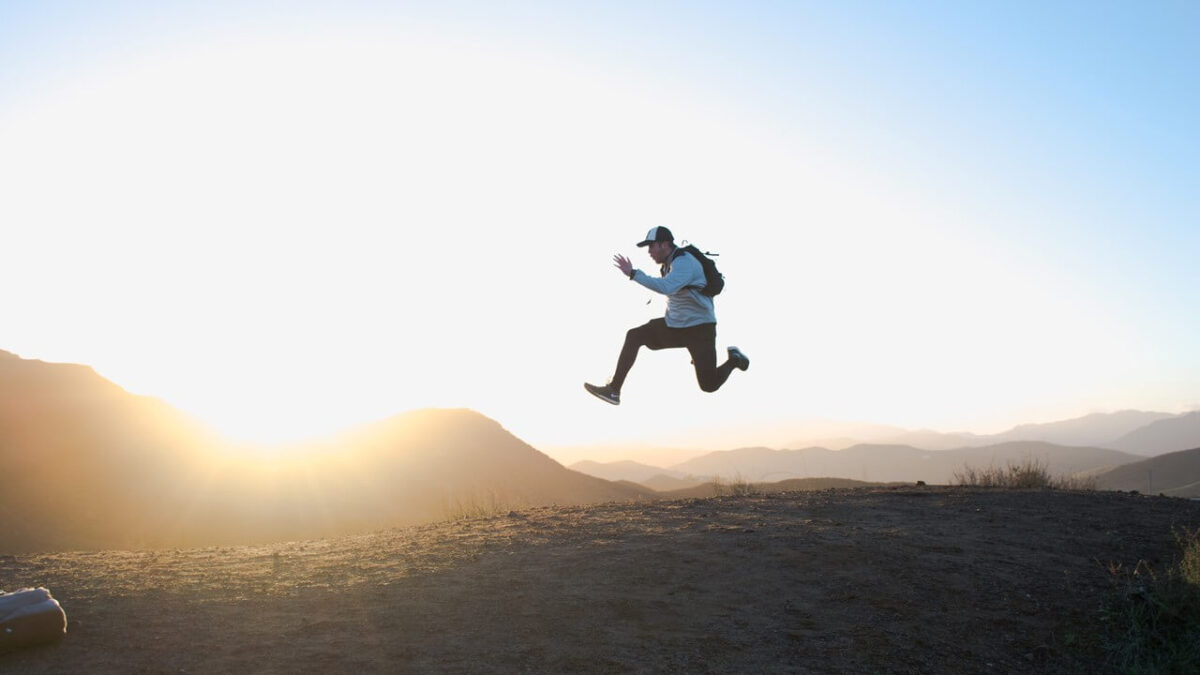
[659, 250]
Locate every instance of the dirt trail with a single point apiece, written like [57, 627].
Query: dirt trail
[929, 580]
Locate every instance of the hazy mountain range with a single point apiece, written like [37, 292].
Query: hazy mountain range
[87, 465]
[1135, 431]
[1137, 434]
[1087, 444]
[867, 462]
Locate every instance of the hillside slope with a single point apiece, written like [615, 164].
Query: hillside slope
[82, 461]
[1175, 474]
[86, 465]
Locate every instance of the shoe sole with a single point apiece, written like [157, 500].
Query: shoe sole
[602, 397]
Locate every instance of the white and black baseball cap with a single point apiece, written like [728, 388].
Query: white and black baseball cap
[657, 234]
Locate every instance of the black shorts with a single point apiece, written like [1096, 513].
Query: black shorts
[656, 334]
[700, 341]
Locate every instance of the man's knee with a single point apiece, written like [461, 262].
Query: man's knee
[708, 381]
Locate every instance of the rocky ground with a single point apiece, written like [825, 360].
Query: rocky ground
[892, 580]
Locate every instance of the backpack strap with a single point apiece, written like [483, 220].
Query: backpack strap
[662, 269]
[680, 250]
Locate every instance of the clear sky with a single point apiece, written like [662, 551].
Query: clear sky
[290, 218]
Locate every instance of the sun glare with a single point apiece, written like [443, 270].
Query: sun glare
[289, 235]
[274, 232]
[285, 237]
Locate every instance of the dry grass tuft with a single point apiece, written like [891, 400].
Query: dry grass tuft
[737, 487]
[1027, 473]
[486, 505]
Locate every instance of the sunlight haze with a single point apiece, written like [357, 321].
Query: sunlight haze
[286, 224]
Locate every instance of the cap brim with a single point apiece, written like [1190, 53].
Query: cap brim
[645, 243]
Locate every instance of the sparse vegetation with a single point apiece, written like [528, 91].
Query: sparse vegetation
[1027, 473]
[737, 487]
[1152, 616]
[478, 506]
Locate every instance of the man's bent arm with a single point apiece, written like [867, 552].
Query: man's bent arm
[685, 271]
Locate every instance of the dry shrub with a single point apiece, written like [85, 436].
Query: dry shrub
[1027, 473]
[738, 487]
[475, 506]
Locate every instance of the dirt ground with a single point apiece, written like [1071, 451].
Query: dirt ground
[891, 580]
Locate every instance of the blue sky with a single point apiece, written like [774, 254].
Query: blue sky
[932, 214]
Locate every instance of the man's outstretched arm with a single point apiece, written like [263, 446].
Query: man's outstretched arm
[685, 271]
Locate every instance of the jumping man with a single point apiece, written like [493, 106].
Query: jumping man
[690, 320]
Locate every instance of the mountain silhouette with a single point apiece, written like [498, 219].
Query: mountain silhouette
[86, 465]
[624, 470]
[1166, 435]
[925, 440]
[653, 477]
[1097, 429]
[1175, 474]
[82, 461]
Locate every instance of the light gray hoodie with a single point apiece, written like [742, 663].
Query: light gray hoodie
[686, 305]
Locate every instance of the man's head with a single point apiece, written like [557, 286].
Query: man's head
[661, 243]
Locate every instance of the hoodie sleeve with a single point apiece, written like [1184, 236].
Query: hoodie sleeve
[685, 271]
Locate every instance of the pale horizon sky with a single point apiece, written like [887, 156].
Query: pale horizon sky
[286, 222]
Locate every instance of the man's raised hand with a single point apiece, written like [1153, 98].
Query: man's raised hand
[622, 263]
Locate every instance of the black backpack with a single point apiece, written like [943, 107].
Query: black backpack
[714, 281]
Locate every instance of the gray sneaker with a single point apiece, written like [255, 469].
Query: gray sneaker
[740, 360]
[605, 393]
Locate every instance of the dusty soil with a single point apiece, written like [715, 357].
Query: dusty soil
[930, 580]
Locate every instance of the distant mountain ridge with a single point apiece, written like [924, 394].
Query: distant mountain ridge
[653, 477]
[892, 463]
[1094, 430]
[1170, 434]
[1097, 429]
[1085, 443]
[869, 463]
[624, 470]
[1100, 430]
